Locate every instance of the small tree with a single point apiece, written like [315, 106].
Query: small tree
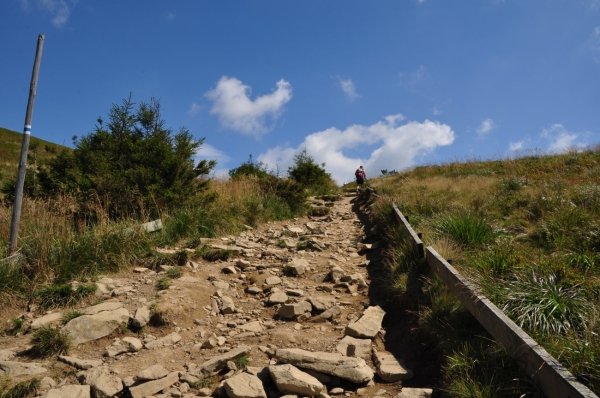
[250, 168]
[308, 173]
[131, 165]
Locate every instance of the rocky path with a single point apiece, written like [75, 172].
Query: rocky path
[288, 315]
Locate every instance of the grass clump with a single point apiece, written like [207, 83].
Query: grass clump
[158, 317]
[174, 273]
[64, 295]
[48, 341]
[466, 229]
[288, 270]
[242, 361]
[17, 326]
[67, 316]
[24, 389]
[163, 283]
[217, 254]
[546, 305]
[282, 244]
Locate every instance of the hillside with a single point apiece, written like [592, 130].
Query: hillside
[10, 148]
[526, 230]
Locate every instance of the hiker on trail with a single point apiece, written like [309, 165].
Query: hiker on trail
[360, 177]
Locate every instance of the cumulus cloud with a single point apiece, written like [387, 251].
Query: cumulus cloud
[594, 44]
[232, 103]
[560, 138]
[195, 108]
[60, 10]
[349, 88]
[515, 146]
[486, 126]
[396, 146]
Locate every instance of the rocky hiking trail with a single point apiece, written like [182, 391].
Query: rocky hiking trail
[277, 319]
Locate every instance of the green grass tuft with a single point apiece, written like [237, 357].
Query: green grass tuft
[242, 361]
[174, 272]
[67, 316]
[466, 229]
[48, 341]
[24, 389]
[162, 283]
[64, 295]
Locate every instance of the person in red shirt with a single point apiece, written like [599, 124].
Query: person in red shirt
[361, 176]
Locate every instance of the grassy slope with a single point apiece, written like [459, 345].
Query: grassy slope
[541, 263]
[10, 149]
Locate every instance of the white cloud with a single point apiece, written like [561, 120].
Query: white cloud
[560, 138]
[170, 16]
[209, 152]
[195, 108]
[515, 146]
[594, 44]
[397, 146]
[486, 126]
[231, 102]
[60, 10]
[349, 88]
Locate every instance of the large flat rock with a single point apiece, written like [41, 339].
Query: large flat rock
[70, 391]
[353, 369]
[291, 380]
[50, 319]
[92, 327]
[389, 368]
[353, 347]
[105, 306]
[244, 385]
[13, 368]
[368, 325]
[154, 386]
[408, 392]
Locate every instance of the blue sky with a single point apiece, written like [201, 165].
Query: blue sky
[386, 84]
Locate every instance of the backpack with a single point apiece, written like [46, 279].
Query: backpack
[358, 173]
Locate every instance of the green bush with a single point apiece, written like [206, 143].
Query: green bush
[174, 273]
[131, 165]
[250, 168]
[48, 341]
[310, 175]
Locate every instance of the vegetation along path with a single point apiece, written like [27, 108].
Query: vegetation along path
[297, 310]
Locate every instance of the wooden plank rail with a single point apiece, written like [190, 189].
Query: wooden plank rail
[545, 371]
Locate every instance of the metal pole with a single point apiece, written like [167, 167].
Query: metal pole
[16, 216]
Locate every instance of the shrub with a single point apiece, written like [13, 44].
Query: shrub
[309, 174]
[17, 326]
[250, 168]
[49, 341]
[545, 305]
[466, 228]
[64, 295]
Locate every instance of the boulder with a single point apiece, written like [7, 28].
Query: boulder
[390, 369]
[230, 269]
[278, 298]
[352, 369]
[154, 386]
[69, 391]
[107, 386]
[81, 364]
[105, 306]
[14, 369]
[141, 318]
[291, 380]
[92, 327]
[254, 290]
[408, 392]
[168, 340]
[353, 347]
[293, 310]
[154, 372]
[90, 376]
[273, 280]
[217, 363]
[227, 306]
[244, 385]
[368, 325]
[335, 274]
[50, 319]
[127, 344]
[47, 383]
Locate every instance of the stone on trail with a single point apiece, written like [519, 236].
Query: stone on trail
[69, 391]
[152, 387]
[229, 270]
[90, 376]
[295, 231]
[13, 369]
[293, 310]
[81, 364]
[244, 385]
[273, 280]
[127, 344]
[291, 380]
[107, 386]
[168, 340]
[142, 317]
[298, 266]
[368, 325]
[408, 392]
[251, 327]
[154, 372]
[326, 315]
[254, 290]
[278, 298]
[390, 369]
[105, 306]
[227, 306]
[353, 347]
[352, 369]
[335, 274]
[50, 319]
[217, 363]
[92, 327]
[6, 355]
[321, 304]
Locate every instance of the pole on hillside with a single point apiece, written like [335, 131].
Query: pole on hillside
[16, 216]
